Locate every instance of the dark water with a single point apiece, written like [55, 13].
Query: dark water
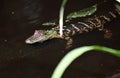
[19, 19]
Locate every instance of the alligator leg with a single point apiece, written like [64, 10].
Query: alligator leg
[108, 34]
[69, 42]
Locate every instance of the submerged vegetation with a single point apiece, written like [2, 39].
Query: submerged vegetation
[81, 13]
[49, 23]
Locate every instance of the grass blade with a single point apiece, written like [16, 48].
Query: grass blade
[72, 55]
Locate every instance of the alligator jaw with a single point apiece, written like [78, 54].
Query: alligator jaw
[38, 36]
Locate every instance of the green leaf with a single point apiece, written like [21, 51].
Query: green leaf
[83, 13]
[49, 23]
[118, 1]
[74, 54]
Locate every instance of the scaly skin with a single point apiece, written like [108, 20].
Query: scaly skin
[89, 24]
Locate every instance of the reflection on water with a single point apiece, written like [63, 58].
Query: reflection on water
[26, 10]
[32, 10]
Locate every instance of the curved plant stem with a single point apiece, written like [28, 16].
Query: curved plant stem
[72, 55]
[61, 17]
[118, 1]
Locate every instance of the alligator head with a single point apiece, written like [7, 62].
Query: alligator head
[40, 36]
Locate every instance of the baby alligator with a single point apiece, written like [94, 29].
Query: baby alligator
[87, 25]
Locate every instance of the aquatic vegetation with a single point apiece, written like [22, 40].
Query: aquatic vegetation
[118, 1]
[74, 54]
[83, 13]
[49, 23]
[61, 17]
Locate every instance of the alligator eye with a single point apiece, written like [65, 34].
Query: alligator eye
[39, 32]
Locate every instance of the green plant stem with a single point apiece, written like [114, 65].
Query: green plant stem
[72, 55]
[118, 1]
[61, 17]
